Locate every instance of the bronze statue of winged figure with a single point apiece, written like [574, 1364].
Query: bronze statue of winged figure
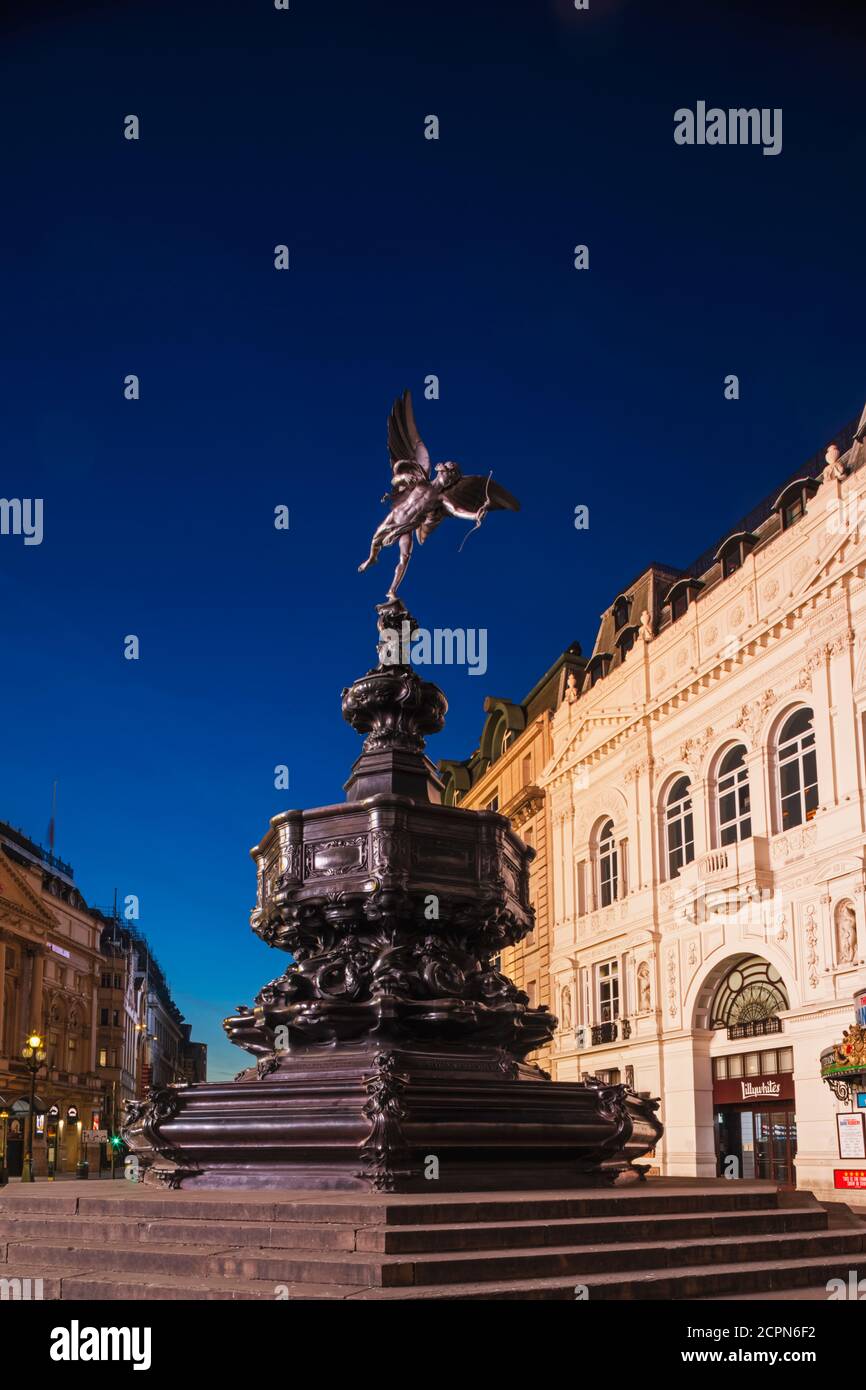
[418, 501]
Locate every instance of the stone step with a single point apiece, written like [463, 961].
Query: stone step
[65, 1284]
[131, 1201]
[409, 1239]
[787, 1280]
[581, 1263]
[596, 1231]
[259, 1234]
[477, 1266]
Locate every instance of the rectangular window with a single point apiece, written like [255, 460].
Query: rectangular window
[608, 991]
[118, 982]
[793, 512]
[103, 1057]
[106, 982]
[786, 1059]
[115, 1018]
[679, 604]
[769, 1063]
[530, 990]
[493, 805]
[735, 1066]
[720, 1069]
[103, 1018]
[753, 1064]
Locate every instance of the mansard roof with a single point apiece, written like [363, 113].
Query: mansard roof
[652, 589]
[512, 717]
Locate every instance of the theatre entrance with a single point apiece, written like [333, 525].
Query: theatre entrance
[755, 1115]
[764, 1142]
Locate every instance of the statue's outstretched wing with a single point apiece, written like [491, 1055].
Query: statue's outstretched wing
[409, 456]
[467, 497]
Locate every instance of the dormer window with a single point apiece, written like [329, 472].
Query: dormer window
[626, 641]
[791, 502]
[680, 595]
[598, 667]
[621, 612]
[732, 552]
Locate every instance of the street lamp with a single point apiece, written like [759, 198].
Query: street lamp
[33, 1055]
[4, 1121]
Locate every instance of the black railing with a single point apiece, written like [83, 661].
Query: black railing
[603, 1033]
[757, 1029]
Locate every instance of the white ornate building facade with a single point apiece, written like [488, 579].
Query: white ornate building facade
[708, 800]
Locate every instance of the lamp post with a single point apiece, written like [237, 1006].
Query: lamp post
[33, 1055]
[4, 1121]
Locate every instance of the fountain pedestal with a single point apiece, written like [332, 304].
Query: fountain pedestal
[391, 1053]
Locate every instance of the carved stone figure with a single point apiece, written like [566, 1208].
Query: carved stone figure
[835, 469]
[566, 1009]
[846, 934]
[571, 690]
[644, 996]
[420, 502]
[646, 626]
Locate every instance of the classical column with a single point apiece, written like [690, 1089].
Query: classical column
[37, 976]
[828, 783]
[845, 742]
[569, 905]
[2, 987]
[700, 815]
[758, 771]
[94, 1000]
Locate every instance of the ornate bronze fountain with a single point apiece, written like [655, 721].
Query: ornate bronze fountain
[391, 1052]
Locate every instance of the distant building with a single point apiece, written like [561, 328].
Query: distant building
[88, 984]
[193, 1057]
[50, 965]
[120, 1001]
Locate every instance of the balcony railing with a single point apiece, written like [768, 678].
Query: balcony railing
[760, 1028]
[604, 1033]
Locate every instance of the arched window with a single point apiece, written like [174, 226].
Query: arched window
[751, 992]
[732, 798]
[798, 770]
[608, 868]
[679, 826]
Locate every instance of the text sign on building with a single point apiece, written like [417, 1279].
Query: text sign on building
[861, 1100]
[851, 1179]
[754, 1089]
[852, 1138]
[59, 950]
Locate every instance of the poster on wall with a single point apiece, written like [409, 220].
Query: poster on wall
[852, 1136]
[850, 1179]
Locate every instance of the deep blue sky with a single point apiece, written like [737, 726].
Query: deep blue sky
[409, 257]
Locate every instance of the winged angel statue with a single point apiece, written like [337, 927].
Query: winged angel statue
[419, 502]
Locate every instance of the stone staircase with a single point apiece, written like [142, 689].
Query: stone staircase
[665, 1240]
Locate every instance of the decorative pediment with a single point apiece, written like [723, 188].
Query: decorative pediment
[844, 545]
[18, 898]
[589, 723]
